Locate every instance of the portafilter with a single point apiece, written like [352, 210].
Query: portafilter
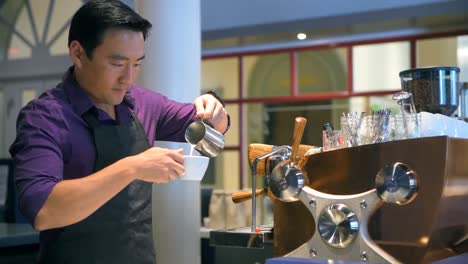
[287, 179]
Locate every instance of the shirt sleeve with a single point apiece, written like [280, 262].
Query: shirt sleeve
[37, 155]
[174, 118]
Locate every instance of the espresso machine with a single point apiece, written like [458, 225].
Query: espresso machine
[393, 202]
[401, 201]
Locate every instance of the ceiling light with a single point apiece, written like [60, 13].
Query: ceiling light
[301, 36]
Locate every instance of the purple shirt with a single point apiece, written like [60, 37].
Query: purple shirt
[54, 143]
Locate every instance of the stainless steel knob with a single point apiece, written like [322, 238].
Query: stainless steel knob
[338, 225]
[396, 184]
[286, 182]
[275, 160]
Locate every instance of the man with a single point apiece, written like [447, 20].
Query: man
[83, 161]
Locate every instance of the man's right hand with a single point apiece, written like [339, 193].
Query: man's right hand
[157, 165]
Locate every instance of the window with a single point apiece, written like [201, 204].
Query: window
[221, 76]
[32, 26]
[436, 52]
[322, 71]
[267, 75]
[376, 67]
[266, 89]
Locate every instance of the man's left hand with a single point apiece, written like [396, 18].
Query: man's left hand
[209, 108]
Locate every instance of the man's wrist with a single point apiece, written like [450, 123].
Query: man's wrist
[221, 101]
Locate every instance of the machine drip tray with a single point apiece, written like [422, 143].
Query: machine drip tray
[242, 237]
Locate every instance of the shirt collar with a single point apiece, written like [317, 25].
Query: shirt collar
[80, 100]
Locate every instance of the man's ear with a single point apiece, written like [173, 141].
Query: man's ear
[76, 53]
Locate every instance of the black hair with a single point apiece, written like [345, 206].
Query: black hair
[91, 22]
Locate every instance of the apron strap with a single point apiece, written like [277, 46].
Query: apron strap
[139, 127]
[90, 117]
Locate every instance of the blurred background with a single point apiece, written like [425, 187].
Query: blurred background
[270, 60]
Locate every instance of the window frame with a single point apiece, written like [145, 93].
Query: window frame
[294, 96]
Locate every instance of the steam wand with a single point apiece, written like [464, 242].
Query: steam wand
[286, 152]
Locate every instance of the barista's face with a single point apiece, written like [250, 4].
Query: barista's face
[113, 68]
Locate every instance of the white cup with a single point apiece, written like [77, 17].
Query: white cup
[186, 147]
[195, 168]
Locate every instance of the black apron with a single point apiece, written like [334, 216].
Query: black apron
[120, 231]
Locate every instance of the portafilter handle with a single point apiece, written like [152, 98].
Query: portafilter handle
[286, 180]
[272, 161]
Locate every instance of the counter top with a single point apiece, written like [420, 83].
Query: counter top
[205, 232]
[12, 234]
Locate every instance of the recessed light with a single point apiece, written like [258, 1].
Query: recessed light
[301, 36]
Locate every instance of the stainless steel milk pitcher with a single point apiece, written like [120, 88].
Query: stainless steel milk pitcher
[205, 139]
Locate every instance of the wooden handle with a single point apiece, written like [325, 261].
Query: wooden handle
[299, 126]
[255, 150]
[244, 196]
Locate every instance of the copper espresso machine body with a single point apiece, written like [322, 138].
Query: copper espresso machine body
[431, 226]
